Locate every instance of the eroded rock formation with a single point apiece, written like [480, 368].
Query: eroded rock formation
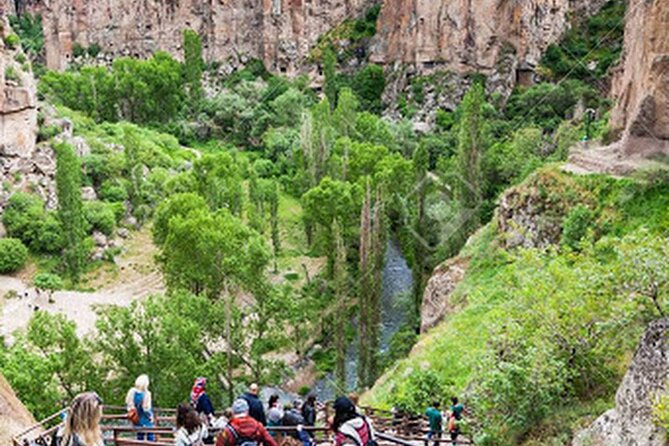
[630, 422]
[471, 36]
[279, 32]
[641, 85]
[14, 417]
[18, 103]
[436, 299]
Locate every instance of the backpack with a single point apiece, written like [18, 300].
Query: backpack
[241, 441]
[370, 441]
[453, 424]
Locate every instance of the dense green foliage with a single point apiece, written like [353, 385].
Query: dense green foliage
[29, 31]
[13, 255]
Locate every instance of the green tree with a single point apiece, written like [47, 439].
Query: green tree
[365, 286]
[329, 72]
[70, 210]
[180, 205]
[273, 199]
[420, 250]
[341, 307]
[470, 150]
[192, 67]
[210, 254]
[13, 255]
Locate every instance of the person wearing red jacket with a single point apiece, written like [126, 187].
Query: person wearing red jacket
[244, 430]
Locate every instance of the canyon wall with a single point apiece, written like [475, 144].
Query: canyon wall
[14, 417]
[18, 102]
[279, 32]
[641, 84]
[471, 35]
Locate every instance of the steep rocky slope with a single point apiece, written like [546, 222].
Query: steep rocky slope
[630, 423]
[14, 417]
[18, 104]
[280, 32]
[641, 85]
[23, 164]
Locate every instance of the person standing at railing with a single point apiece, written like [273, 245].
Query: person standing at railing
[256, 409]
[191, 431]
[274, 413]
[454, 419]
[244, 430]
[435, 419]
[200, 400]
[138, 400]
[82, 425]
[350, 427]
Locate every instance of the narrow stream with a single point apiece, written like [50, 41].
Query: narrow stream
[397, 281]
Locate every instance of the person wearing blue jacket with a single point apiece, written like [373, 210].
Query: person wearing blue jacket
[256, 409]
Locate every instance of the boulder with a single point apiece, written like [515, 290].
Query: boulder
[630, 423]
[436, 302]
[88, 194]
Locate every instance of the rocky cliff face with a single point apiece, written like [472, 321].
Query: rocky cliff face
[18, 104]
[279, 32]
[502, 39]
[630, 423]
[14, 417]
[470, 36]
[641, 85]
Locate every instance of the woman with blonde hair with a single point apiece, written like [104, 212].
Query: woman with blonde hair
[138, 400]
[82, 425]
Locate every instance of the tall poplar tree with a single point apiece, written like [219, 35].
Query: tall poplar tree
[364, 291]
[70, 210]
[378, 258]
[420, 251]
[340, 286]
[470, 152]
[193, 67]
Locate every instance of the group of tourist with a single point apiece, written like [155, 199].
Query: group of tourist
[436, 420]
[244, 424]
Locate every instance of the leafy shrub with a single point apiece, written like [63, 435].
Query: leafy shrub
[422, 387]
[575, 226]
[48, 281]
[93, 50]
[12, 41]
[113, 191]
[78, 50]
[13, 255]
[49, 236]
[100, 216]
[11, 74]
[22, 216]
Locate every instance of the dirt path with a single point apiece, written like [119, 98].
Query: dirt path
[589, 158]
[134, 277]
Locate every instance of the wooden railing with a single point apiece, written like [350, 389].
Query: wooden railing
[392, 428]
